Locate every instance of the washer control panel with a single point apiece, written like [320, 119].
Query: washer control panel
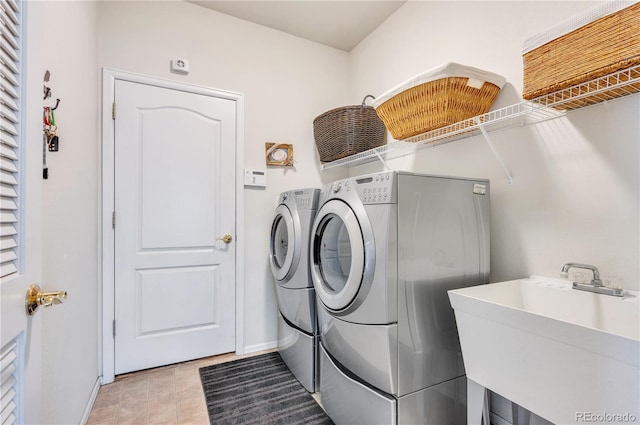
[379, 188]
[376, 188]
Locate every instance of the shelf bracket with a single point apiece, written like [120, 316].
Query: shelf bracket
[493, 149]
[384, 163]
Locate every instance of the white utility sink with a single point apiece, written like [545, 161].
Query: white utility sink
[568, 356]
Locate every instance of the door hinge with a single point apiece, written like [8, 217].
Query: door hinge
[113, 110]
[113, 220]
[114, 328]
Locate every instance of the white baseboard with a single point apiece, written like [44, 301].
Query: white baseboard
[92, 399]
[259, 347]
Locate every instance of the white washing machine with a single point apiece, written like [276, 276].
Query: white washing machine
[289, 259]
[385, 249]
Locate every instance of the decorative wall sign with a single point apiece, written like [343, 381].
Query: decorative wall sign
[279, 154]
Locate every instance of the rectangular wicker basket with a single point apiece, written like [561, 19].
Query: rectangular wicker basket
[436, 98]
[347, 130]
[598, 42]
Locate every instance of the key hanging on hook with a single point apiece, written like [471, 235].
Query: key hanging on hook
[45, 142]
[45, 118]
[53, 139]
[54, 142]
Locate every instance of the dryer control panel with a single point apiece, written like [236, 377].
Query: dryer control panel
[376, 188]
[305, 199]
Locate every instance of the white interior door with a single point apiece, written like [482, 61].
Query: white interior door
[174, 205]
[20, 215]
[21, 335]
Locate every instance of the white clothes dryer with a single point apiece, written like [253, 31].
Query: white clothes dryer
[385, 249]
[289, 260]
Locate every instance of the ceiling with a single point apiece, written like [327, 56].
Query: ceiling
[341, 24]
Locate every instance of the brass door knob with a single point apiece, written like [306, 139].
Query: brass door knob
[36, 298]
[225, 239]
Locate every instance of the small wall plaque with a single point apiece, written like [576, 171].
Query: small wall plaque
[279, 154]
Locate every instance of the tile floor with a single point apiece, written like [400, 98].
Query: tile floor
[165, 395]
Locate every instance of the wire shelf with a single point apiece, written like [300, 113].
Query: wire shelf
[617, 84]
[537, 110]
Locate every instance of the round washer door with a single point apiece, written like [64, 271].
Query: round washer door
[337, 254]
[284, 244]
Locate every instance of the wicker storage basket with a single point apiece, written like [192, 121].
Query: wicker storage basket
[436, 98]
[346, 131]
[600, 41]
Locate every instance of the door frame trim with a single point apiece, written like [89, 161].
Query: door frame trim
[106, 200]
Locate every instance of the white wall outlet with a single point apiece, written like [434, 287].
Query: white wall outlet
[180, 66]
[255, 178]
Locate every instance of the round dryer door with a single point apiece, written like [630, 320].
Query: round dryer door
[284, 244]
[338, 257]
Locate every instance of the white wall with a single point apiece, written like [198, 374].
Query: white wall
[287, 81]
[70, 211]
[575, 192]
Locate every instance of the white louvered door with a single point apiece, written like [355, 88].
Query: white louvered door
[9, 143]
[20, 217]
[10, 387]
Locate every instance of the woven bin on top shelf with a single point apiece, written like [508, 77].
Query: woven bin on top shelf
[600, 41]
[346, 131]
[436, 98]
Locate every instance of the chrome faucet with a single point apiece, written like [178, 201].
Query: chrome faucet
[595, 285]
[596, 273]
